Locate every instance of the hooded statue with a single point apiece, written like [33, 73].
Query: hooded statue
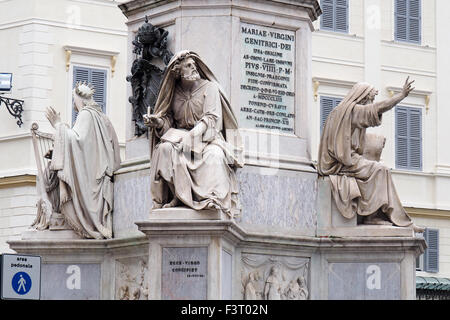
[195, 143]
[359, 185]
[82, 167]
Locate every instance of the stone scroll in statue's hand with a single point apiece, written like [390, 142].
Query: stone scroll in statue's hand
[175, 136]
[373, 146]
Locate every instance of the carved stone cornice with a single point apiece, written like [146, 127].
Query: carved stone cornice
[18, 181]
[311, 6]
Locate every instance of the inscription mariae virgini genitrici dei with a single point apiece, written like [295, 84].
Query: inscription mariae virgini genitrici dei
[267, 98]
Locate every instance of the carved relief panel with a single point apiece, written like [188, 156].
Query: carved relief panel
[269, 277]
[132, 279]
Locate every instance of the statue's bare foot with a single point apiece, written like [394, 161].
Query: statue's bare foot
[175, 202]
[212, 205]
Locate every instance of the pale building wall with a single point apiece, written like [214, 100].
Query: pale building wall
[38, 31]
[42, 28]
[369, 53]
[17, 211]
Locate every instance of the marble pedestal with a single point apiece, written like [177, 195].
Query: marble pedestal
[289, 235]
[190, 253]
[164, 254]
[331, 223]
[89, 269]
[218, 259]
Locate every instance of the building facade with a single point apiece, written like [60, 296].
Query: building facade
[51, 45]
[56, 43]
[384, 42]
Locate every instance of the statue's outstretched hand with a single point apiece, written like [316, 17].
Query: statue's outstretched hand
[153, 121]
[407, 88]
[53, 117]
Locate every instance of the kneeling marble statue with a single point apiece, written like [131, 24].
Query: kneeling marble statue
[195, 145]
[79, 178]
[360, 184]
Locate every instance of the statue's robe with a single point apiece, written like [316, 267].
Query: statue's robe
[205, 175]
[85, 158]
[359, 186]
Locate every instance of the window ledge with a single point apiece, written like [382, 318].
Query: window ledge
[91, 51]
[408, 45]
[112, 55]
[338, 35]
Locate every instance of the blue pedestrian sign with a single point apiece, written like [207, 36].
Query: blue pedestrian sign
[20, 277]
[21, 283]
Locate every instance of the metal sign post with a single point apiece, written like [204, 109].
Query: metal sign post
[20, 277]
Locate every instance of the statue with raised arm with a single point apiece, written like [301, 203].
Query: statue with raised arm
[195, 144]
[83, 161]
[360, 185]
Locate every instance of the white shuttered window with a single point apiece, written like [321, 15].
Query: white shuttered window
[334, 15]
[408, 138]
[408, 20]
[327, 104]
[97, 77]
[431, 254]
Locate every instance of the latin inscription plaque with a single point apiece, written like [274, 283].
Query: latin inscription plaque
[184, 273]
[267, 88]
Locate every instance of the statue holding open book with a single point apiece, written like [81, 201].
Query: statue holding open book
[195, 145]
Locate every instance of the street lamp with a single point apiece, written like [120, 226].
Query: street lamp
[14, 106]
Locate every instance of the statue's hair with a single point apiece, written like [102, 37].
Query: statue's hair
[84, 90]
[176, 68]
[367, 98]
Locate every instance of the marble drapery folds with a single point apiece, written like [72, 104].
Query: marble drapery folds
[359, 185]
[207, 175]
[85, 158]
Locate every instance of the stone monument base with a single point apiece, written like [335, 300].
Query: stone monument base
[213, 258]
[63, 234]
[179, 253]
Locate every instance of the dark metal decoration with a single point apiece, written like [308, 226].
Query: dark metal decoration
[15, 108]
[150, 43]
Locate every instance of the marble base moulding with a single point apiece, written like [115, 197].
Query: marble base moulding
[218, 259]
[80, 269]
[316, 251]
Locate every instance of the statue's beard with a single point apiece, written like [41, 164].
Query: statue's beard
[367, 100]
[194, 76]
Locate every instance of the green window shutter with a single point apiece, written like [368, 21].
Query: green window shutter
[327, 18]
[341, 16]
[327, 104]
[98, 80]
[401, 137]
[431, 255]
[401, 20]
[334, 15]
[408, 19]
[415, 139]
[97, 77]
[414, 20]
[79, 74]
[408, 138]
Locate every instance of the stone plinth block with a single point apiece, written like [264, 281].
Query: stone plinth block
[218, 259]
[190, 252]
[331, 223]
[76, 269]
[183, 213]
